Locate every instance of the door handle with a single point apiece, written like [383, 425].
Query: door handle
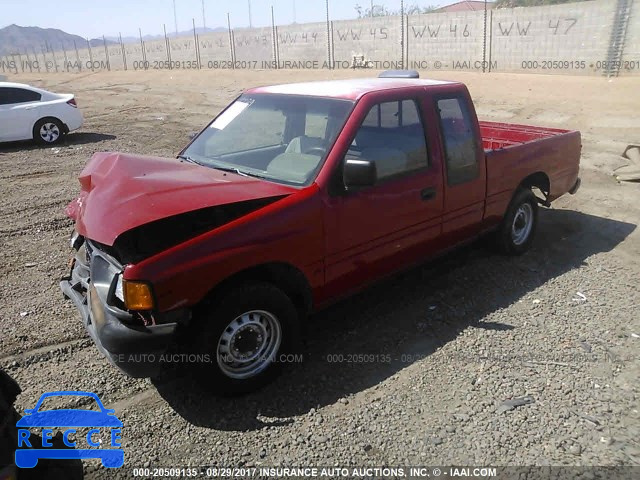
[428, 193]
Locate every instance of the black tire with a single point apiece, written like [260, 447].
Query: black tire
[215, 319]
[55, 128]
[517, 230]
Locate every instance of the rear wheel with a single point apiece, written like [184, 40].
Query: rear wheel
[519, 224]
[245, 333]
[48, 131]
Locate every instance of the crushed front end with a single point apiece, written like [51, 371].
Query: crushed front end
[132, 340]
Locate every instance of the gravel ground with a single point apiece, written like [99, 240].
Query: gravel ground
[443, 346]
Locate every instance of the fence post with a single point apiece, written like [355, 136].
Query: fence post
[106, 53]
[407, 43]
[195, 43]
[274, 40]
[66, 59]
[142, 52]
[79, 63]
[328, 37]
[33, 49]
[46, 64]
[401, 34]
[233, 61]
[124, 54]
[90, 54]
[167, 45]
[490, 36]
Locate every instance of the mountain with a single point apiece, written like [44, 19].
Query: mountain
[17, 39]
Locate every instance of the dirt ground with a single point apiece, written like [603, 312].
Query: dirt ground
[560, 324]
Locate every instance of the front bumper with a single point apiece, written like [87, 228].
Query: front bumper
[134, 348]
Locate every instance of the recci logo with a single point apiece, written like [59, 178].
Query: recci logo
[69, 420]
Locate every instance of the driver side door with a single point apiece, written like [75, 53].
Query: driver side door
[383, 228]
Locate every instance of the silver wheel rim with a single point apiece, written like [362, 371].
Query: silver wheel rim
[249, 344]
[49, 132]
[522, 224]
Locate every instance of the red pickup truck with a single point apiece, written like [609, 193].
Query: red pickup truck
[295, 196]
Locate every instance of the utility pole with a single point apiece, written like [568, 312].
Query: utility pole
[250, 23]
[294, 11]
[371, 11]
[204, 22]
[175, 17]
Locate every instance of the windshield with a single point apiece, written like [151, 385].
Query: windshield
[284, 138]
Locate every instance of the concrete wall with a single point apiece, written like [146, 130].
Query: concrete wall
[560, 39]
[631, 53]
[532, 39]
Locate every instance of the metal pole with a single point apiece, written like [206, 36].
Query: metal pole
[66, 60]
[77, 56]
[167, 45]
[33, 49]
[144, 54]
[46, 64]
[28, 61]
[175, 17]
[274, 39]
[90, 54]
[230, 40]
[490, 36]
[106, 53]
[484, 39]
[294, 11]
[195, 42]
[250, 22]
[402, 34]
[407, 42]
[328, 36]
[124, 53]
[204, 22]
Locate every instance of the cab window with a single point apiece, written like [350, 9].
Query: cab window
[459, 140]
[392, 135]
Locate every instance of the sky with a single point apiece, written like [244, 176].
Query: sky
[94, 18]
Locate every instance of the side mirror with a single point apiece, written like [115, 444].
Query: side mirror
[359, 173]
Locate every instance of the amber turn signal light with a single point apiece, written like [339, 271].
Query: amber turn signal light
[137, 295]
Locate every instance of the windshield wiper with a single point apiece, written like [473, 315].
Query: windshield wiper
[237, 171]
[189, 159]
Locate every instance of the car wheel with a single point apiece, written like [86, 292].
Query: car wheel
[244, 333]
[48, 131]
[519, 224]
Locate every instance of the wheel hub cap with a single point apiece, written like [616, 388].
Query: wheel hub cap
[248, 344]
[522, 224]
[49, 132]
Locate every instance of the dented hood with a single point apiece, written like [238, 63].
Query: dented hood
[122, 191]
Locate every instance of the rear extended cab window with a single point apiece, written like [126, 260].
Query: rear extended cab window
[458, 138]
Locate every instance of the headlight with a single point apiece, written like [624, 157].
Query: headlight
[119, 291]
[76, 240]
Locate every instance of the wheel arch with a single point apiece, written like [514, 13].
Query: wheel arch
[288, 278]
[65, 128]
[539, 180]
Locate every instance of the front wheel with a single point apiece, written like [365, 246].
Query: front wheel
[245, 333]
[519, 224]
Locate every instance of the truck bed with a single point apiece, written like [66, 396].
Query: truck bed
[514, 152]
[497, 135]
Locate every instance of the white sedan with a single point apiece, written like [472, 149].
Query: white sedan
[32, 113]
